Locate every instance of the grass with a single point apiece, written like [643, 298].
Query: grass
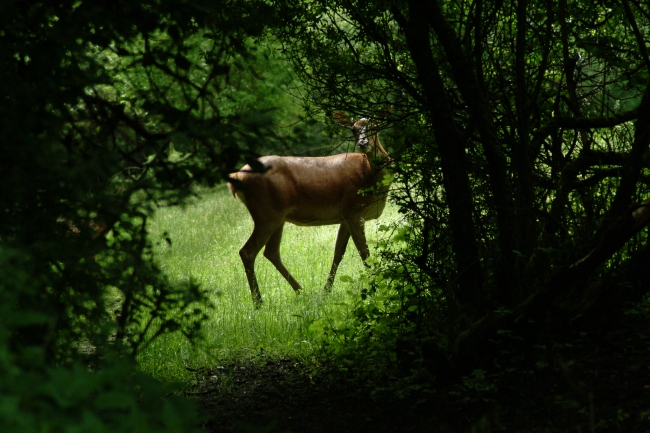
[206, 236]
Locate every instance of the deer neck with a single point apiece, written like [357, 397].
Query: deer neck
[378, 157]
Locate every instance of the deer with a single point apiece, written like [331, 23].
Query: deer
[346, 189]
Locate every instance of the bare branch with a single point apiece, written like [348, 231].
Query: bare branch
[568, 122]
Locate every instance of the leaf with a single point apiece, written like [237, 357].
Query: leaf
[317, 326]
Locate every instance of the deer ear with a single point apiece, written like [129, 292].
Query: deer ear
[343, 119]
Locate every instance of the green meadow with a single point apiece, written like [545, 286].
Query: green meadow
[206, 236]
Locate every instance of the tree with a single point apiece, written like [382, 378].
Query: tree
[537, 115]
[109, 108]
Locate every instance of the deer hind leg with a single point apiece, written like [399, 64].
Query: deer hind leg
[342, 239]
[248, 253]
[272, 252]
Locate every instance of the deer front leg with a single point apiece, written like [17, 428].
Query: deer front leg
[357, 231]
[342, 239]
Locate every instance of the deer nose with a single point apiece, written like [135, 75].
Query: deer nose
[362, 144]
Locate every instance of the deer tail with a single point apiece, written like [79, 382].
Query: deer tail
[234, 181]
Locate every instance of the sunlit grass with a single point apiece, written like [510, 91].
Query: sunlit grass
[205, 240]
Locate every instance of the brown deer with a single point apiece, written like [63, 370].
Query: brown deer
[345, 189]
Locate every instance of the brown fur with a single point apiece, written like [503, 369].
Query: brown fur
[312, 191]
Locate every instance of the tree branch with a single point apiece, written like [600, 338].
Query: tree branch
[452, 154]
[472, 342]
[568, 122]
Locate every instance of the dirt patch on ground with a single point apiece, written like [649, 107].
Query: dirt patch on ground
[599, 383]
[282, 395]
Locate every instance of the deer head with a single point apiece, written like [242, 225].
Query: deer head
[365, 134]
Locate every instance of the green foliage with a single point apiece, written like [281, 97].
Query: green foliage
[357, 55]
[384, 327]
[477, 386]
[130, 117]
[518, 172]
[38, 394]
[375, 67]
[518, 138]
[111, 109]
[116, 397]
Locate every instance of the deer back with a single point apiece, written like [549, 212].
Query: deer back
[311, 190]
